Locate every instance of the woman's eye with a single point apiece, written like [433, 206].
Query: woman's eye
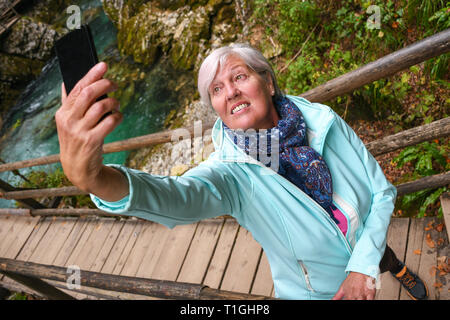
[240, 76]
[216, 89]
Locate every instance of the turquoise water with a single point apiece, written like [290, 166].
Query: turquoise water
[30, 126]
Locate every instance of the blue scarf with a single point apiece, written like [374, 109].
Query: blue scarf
[298, 163]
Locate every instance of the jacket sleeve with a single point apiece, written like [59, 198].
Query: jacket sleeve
[202, 192]
[371, 243]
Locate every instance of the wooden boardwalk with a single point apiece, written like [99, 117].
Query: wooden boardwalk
[216, 252]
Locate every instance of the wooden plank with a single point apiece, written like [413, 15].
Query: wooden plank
[71, 241]
[124, 237]
[174, 252]
[108, 245]
[47, 241]
[9, 235]
[21, 236]
[140, 247]
[27, 250]
[63, 233]
[24, 228]
[153, 252]
[243, 262]
[443, 278]
[128, 248]
[219, 262]
[428, 259]
[396, 239]
[97, 249]
[6, 222]
[51, 236]
[90, 226]
[263, 283]
[94, 243]
[201, 251]
[445, 204]
[33, 241]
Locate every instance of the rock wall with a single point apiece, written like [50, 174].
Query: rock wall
[183, 32]
[27, 46]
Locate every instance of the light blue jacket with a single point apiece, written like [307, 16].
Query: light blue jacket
[308, 254]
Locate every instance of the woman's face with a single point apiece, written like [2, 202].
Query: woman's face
[241, 97]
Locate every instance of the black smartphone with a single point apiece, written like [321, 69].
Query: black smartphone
[76, 56]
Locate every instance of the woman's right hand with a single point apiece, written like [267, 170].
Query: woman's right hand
[80, 133]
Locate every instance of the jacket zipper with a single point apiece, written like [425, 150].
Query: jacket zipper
[322, 210]
[305, 275]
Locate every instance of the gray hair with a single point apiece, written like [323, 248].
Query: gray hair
[252, 57]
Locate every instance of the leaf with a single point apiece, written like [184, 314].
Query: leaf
[429, 241]
[437, 284]
[439, 227]
[433, 271]
[418, 252]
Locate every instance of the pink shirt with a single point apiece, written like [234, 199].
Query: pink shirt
[342, 220]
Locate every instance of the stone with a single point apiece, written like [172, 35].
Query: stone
[30, 39]
[179, 170]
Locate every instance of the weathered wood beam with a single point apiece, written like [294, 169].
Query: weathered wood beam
[415, 53]
[434, 130]
[435, 181]
[38, 285]
[37, 193]
[148, 287]
[29, 203]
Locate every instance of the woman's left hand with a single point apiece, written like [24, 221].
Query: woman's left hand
[356, 286]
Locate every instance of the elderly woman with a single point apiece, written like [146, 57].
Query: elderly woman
[290, 171]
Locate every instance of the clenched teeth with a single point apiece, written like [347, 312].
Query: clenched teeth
[239, 107]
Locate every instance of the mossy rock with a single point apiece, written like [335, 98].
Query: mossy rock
[186, 40]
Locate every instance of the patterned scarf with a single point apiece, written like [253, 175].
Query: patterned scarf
[298, 163]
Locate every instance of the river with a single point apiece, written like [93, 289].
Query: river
[29, 129]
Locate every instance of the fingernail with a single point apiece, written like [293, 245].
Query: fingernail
[100, 66]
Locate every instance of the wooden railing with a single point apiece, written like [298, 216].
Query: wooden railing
[30, 275]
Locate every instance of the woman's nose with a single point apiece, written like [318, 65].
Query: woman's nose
[232, 91]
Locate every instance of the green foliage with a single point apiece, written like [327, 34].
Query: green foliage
[41, 179]
[18, 296]
[428, 159]
[17, 124]
[337, 37]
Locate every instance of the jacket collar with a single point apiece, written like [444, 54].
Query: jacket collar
[318, 119]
